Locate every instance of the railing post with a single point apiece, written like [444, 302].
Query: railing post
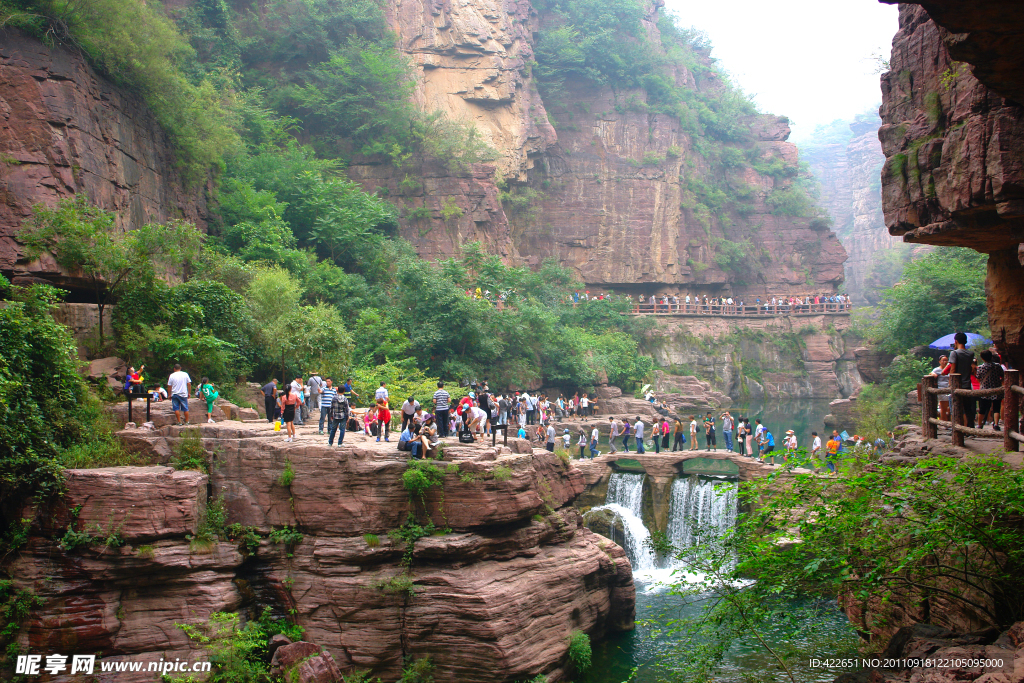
[956, 409]
[929, 406]
[1011, 410]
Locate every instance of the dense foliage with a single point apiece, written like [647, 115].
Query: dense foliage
[940, 293]
[943, 532]
[45, 405]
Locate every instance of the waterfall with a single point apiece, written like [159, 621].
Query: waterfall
[700, 505]
[625, 501]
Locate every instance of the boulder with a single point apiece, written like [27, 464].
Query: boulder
[304, 662]
[111, 367]
[871, 362]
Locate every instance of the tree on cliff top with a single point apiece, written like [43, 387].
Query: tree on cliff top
[84, 239]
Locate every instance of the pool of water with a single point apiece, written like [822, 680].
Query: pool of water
[615, 657]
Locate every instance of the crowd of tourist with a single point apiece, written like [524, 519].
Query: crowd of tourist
[988, 375]
[727, 305]
[532, 417]
[696, 305]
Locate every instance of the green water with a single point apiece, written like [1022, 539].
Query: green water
[615, 657]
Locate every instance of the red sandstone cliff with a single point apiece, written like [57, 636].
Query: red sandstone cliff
[495, 600]
[954, 144]
[64, 130]
[596, 202]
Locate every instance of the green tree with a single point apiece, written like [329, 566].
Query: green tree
[85, 240]
[941, 293]
[315, 338]
[44, 404]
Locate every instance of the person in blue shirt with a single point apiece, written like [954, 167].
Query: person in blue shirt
[769, 443]
[410, 442]
[521, 433]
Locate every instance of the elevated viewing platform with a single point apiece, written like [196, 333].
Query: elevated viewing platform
[737, 311]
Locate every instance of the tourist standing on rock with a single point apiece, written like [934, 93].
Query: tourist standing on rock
[207, 391]
[581, 441]
[298, 386]
[566, 439]
[382, 393]
[960, 363]
[549, 443]
[815, 447]
[832, 451]
[326, 398]
[442, 406]
[314, 385]
[289, 402]
[338, 413]
[638, 431]
[383, 418]
[693, 433]
[270, 399]
[585, 405]
[769, 445]
[594, 440]
[666, 430]
[483, 399]
[727, 428]
[525, 398]
[790, 443]
[758, 431]
[750, 437]
[613, 433]
[626, 430]
[348, 391]
[179, 386]
[709, 432]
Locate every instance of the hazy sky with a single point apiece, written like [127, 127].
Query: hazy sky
[811, 60]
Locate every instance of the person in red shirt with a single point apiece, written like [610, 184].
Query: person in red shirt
[383, 420]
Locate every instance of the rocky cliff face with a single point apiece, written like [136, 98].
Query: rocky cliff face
[848, 173]
[493, 600]
[605, 193]
[64, 130]
[805, 357]
[954, 145]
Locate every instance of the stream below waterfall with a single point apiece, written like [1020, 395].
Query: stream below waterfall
[707, 504]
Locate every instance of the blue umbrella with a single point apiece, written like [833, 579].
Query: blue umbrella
[972, 340]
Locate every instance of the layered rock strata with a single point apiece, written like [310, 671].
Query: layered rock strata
[954, 145]
[785, 356]
[495, 599]
[603, 190]
[66, 130]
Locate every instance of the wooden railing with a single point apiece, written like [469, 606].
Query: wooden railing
[737, 310]
[1011, 393]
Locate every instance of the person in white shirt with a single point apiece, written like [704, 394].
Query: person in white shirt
[639, 431]
[693, 433]
[409, 408]
[815, 445]
[477, 418]
[594, 440]
[179, 386]
[790, 445]
[566, 439]
[613, 433]
[584, 405]
[549, 443]
[299, 389]
[381, 393]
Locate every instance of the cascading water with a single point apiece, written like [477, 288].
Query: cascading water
[700, 511]
[625, 501]
[700, 506]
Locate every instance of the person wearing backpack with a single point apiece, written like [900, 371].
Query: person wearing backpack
[210, 394]
[960, 363]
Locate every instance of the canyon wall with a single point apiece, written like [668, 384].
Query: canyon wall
[953, 137]
[847, 165]
[494, 598]
[771, 357]
[599, 184]
[65, 130]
